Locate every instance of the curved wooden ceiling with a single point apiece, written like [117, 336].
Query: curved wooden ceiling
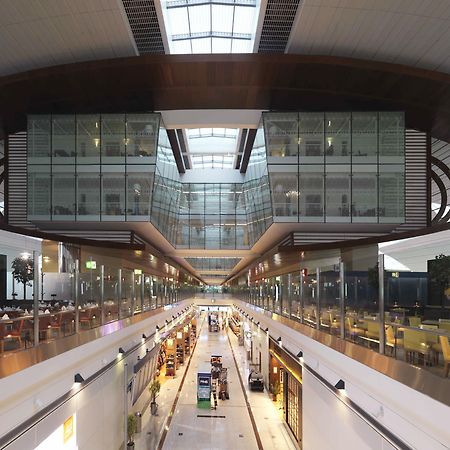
[251, 81]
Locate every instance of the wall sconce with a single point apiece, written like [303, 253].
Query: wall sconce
[340, 385]
[144, 336]
[267, 330]
[78, 378]
[300, 354]
[121, 351]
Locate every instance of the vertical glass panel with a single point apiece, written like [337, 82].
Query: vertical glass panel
[362, 320]
[392, 137]
[39, 139]
[39, 192]
[310, 297]
[88, 192]
[364, 137]
[311, 193]
[113, 138]
[127, 293]
[197, 231]
[240, 199]
[142, 133]
[364, 194]
[227, 199]
[281, 137]
[212, 198]
[284, 186]
[88, 139]
[329, 297]
[337, 137]
[242, 237]
[311, 137]
[139, 192]
[182, 240]
[228, 231]
[295, 296]
[391, 194]
[63, 192]
[212, 232]
[113, 194]
[197, 199]
[111, 307]
[338, 193]
[63, 139]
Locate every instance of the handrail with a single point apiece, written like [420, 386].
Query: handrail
[25, 426]
[374, 424]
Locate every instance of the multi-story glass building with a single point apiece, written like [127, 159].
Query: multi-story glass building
[224, 224]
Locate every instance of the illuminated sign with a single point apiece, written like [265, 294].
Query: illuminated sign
[91, 264]
[138, 271]
[63, 438]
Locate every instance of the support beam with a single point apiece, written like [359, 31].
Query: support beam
[251, 135]
[173, 139]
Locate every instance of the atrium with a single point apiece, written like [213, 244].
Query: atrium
[225, 224]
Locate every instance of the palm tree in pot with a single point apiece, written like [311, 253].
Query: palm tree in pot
[23, 272]
[131, 430]
[154, 389]
[275, 390]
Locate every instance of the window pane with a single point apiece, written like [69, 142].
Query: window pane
[338, 194]
[284, 186]
[88, 193]
[311, 193]
[63, 139]
[281, 136]
[39, 188]
[311, 137]
[364, 137]
[63, 193]
[364, 197]
[392, 194]
[337, 138]
[88, 139]
[139, 190]
[38, 140]
[392, 137]
[142, 132]
[113, 194]
[113, 138]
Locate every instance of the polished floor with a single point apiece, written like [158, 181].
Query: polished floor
[228, 427]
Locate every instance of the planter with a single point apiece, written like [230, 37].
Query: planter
[274, 397]
[153, 408]
[130, 446]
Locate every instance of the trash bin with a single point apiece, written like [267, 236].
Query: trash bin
[138, 422]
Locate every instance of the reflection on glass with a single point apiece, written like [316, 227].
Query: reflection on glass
[311, 193]
[88, 194]
[88, 139]
[364, 137]
[284, 186]
[63, 139]
[281, 135]
[311, 137]
[364, 197]
[337, 137]
[338, 194]
[113, 138]
[63, 192]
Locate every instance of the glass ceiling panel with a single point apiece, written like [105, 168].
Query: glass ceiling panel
[211, 26]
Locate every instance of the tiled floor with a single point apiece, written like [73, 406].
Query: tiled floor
[234, 431]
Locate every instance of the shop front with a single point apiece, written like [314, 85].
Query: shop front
[285, 383]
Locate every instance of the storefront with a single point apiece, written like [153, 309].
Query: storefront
[285, 383]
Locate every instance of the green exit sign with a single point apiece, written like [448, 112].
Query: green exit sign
[91, 264]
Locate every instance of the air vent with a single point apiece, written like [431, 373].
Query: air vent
[144, 25]
[277, 25]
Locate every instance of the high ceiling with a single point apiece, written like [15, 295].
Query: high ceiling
[41, 33]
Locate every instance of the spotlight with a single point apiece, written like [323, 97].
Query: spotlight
[340, 385]
[257, 323]
[144, 336]
[78, 378]
[157, 328]
[279, 340]
[267, 330]
[121, 351]
[300, 354]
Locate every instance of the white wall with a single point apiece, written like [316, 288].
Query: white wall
[99, 407]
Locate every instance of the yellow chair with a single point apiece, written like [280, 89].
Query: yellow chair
[446, 353]
[415, 342]
[444, 326]
[373, 330]
[352, 329]
[391, 341]
[414, 321]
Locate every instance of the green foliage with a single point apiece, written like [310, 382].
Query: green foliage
[439, 271]
[276, 388]
[154, 388]
[131, 427]
[23, 272]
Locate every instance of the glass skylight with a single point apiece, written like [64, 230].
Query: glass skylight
[210, 26]
[212, 147]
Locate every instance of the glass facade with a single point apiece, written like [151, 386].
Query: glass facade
[304, 167]
[336, 167]
[91, 167]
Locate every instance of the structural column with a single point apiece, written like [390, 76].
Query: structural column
[36, 290]
[77, 295]
[342, 299]
[318, 298]
[102, 294]
[382, 332]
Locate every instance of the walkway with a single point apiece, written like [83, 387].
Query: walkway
[229, 427]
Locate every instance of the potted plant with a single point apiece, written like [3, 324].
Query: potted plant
[131, 430]
[154, 389]
[23, 272]
[275, 390]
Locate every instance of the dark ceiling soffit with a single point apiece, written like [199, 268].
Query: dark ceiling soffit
[183, 148]
[173, 139]
[70, 239]
[340, 244]
[242, 138]
[236, 81]
[248, 149]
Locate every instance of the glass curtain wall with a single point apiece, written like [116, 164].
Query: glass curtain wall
[91, 167]
[336, 167]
